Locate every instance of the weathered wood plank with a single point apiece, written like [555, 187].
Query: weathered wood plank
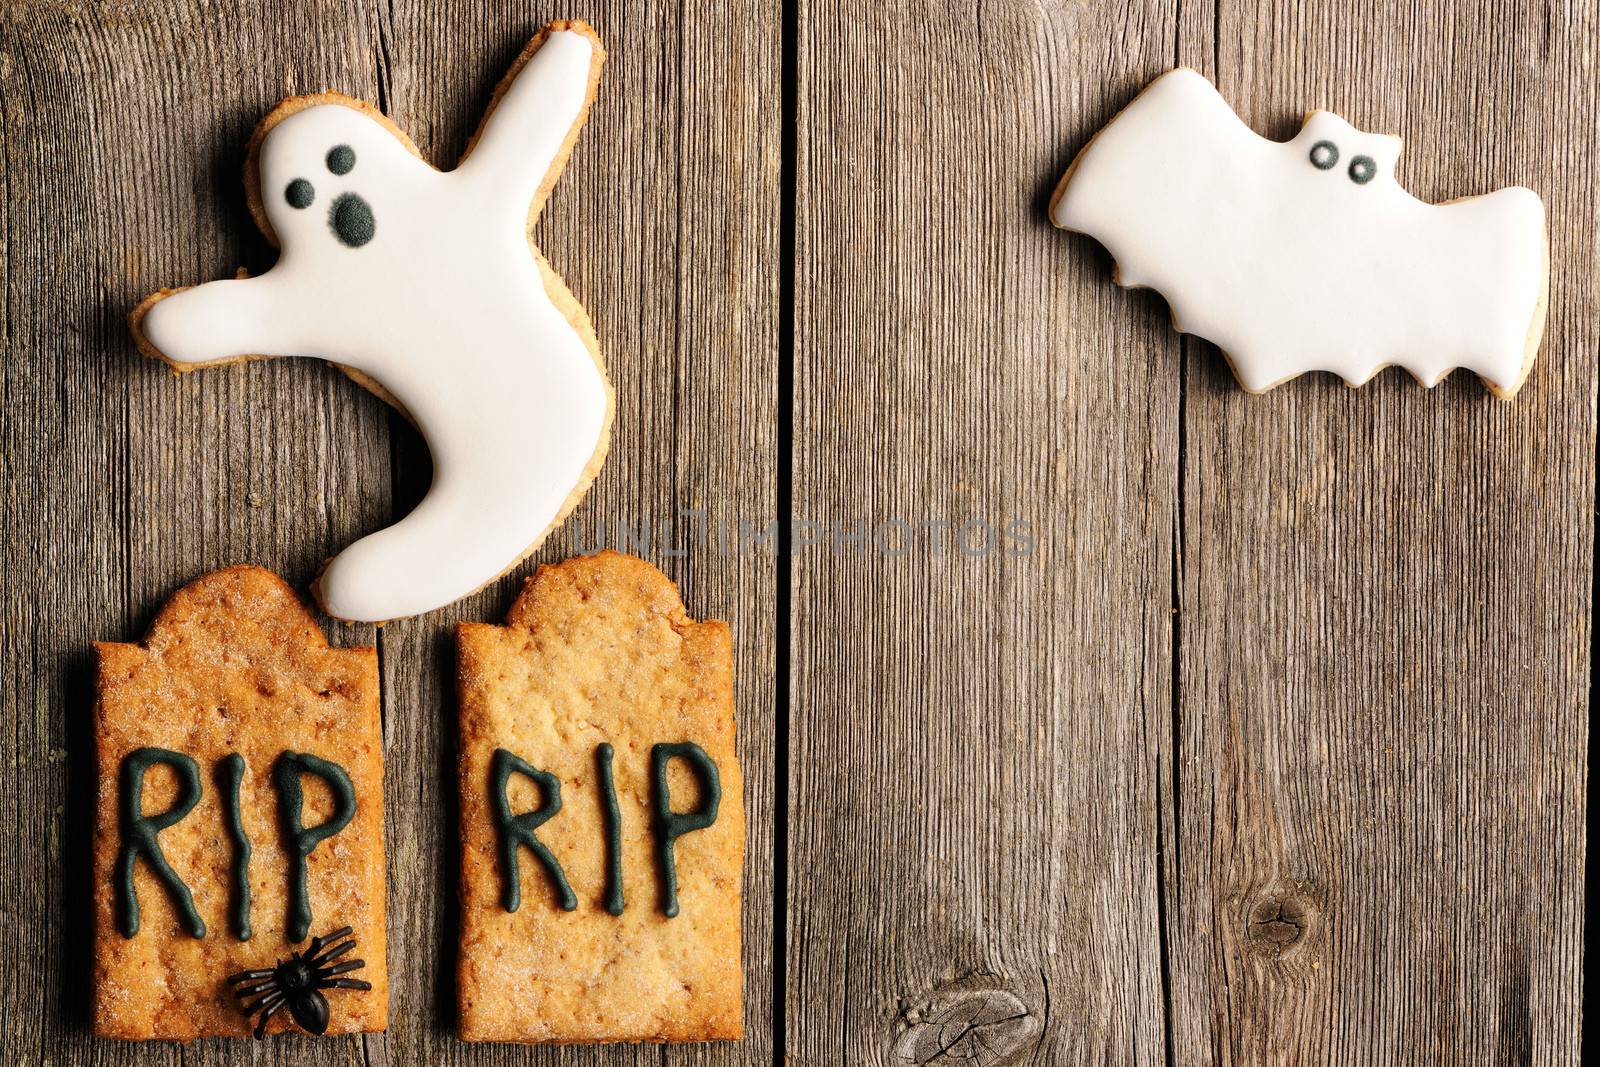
[130, 125]
[664, 225]
[975, 738]
[1386, 600]
[1377, 817]
[124, 133]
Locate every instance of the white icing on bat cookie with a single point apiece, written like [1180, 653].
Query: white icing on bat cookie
[425, 286]
[1307, 255]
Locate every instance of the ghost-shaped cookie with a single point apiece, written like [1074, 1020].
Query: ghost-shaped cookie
[1307, 254]
[424, 286]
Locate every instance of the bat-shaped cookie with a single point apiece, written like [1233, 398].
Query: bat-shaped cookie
[1306, 254]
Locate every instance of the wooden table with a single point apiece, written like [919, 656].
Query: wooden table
[1273, 749]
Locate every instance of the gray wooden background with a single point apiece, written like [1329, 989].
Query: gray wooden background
[1273, 750]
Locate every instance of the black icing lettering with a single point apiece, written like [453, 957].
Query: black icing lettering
[139, 835]
[515, 830]
[302, 839]
[671, 825]
[230, 777]
[613, 818]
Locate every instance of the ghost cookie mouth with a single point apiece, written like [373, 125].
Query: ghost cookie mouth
[351, 220]
[350, 217]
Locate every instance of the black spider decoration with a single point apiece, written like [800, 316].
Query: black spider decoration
[297, 982]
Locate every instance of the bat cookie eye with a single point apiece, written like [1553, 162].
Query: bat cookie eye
[1324, 155]
[1362, 170]
[299, 193]
[341, 159]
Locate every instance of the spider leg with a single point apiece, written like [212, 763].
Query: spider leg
[251, 990]
[247, 976]
[347, 965]
[332, 954]
[318, 942]
[271, 1000]
[261, 1024]
[346, 983]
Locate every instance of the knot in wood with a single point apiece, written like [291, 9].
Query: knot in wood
[978, 1027]
[1278, 923]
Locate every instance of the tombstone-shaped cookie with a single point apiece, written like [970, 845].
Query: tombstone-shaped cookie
[602, 815]
[238, 845]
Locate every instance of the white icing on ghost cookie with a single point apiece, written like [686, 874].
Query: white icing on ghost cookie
[424, 285]
[1307, 255]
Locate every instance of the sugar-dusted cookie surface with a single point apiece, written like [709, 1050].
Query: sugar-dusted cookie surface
[423, 286]
[233, 692]
[599, 673]
[1307, 255]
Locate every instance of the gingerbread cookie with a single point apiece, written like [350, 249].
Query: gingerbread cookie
[240, 812]
[602, 815]
[1307, 254]
[424, 286]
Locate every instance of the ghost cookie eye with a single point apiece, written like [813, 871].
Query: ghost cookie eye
[1324, 155]
[341, 159]
[1363, 170]
[300, 193]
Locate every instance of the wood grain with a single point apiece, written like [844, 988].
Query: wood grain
[123, 133]
[1352, 832]
[1272, 750]
[664, 224]
[124, 130]
[975, 737]
[1381, 732]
